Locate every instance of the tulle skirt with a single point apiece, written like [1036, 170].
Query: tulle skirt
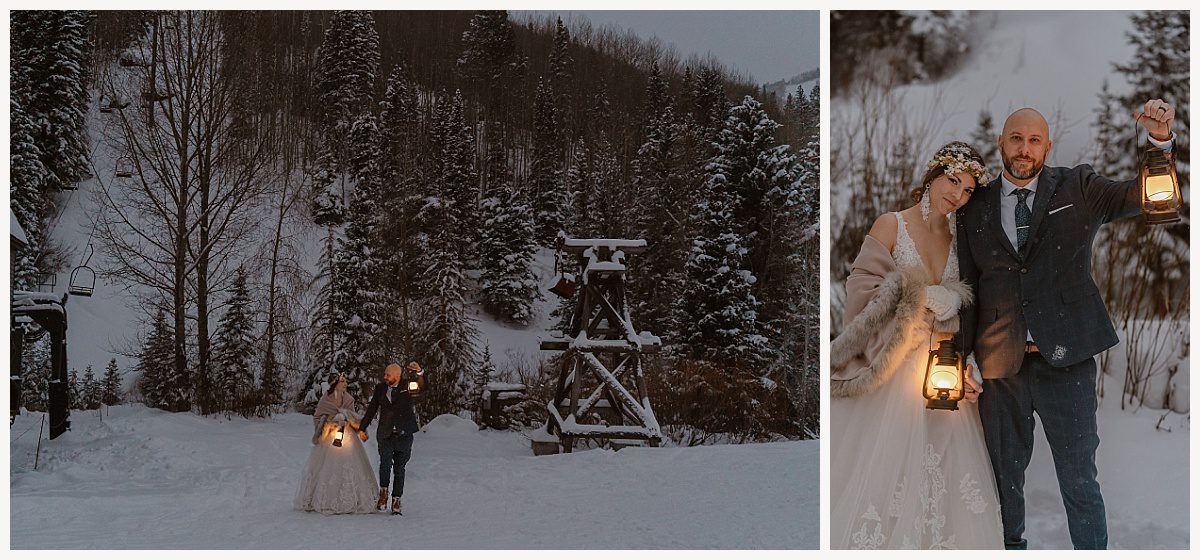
[337, 479]
[905, 477]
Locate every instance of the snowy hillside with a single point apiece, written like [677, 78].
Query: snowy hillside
[1044, 60]
[191, 482]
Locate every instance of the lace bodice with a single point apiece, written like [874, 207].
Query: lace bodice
[906, 255]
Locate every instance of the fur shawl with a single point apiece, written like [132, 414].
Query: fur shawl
[885, 319]
[327, 410]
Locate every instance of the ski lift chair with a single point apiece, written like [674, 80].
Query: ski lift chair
[83, 278]
[124, 167]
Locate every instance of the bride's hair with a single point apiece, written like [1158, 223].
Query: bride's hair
[957, 155]
[333, 382]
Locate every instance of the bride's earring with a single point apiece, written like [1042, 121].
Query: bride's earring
[925, 205]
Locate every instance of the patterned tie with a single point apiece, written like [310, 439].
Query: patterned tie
[1024, 216]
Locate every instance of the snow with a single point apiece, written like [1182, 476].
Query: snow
[186, 481]
[14, 228]
[1143, 476]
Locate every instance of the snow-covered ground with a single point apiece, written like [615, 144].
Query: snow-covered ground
[184, 481]
[1143, 476]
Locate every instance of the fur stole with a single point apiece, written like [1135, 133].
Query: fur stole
[895, 314]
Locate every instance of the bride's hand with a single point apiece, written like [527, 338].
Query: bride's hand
[973, 388]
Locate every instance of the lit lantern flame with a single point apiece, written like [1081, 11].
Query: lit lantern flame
[943, 386]
[337, 438]
[1161, 198]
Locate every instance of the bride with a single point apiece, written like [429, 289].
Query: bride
[337, 479]
[903, 476]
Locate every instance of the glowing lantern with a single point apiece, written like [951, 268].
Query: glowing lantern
[944, 377]
[337, 438]
[1161, 198]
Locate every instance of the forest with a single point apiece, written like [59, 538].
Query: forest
[290, 194]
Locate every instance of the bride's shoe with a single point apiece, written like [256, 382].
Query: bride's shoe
[382, 503]
[396, 506]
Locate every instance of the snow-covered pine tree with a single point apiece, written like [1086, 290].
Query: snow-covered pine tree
[984, 139]
[662, 190]
[349, 61]
[545, 184]
[581, 195]
[483, 376]
[561, 65]
[27, 177]
[711, 107]
[506, 244]
[613, 210]
[54, 49]
[235, 348]
[90, 390]
[490, 56]
[112, 384]
[156, 369]
[450, 331]
[346, 76]
[36, 374]
[457, 178]
[718, 312]
[74, 390]
[357, 288]
[325, 326]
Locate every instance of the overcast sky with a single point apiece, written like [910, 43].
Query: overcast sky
[767, 45]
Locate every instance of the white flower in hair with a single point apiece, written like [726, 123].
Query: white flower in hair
[958, 157]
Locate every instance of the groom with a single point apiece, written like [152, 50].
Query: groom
[397, 424]
[1025, 245]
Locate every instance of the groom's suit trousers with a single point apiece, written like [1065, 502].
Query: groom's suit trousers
[1065, 400]
[394, 452]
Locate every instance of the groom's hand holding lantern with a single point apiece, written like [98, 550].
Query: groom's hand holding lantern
[1156, 117]
[1161, 197]
[415, 380]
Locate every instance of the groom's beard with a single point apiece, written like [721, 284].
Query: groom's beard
[1010, 164]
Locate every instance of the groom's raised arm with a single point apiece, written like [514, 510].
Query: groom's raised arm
[372, 408]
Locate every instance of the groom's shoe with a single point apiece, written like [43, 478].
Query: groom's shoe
[396, 506]
[382, 503]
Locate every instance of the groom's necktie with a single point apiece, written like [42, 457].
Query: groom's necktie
[1023, 217]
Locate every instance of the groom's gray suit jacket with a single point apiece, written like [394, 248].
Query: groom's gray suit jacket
[1047, 288]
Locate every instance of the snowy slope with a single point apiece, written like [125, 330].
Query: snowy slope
[1055, 62]
[193, 482]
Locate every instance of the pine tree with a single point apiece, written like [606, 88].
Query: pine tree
[506, 245]
[156, 369]
[28, 176]
[74, 390]
[450, 331]
[325, 325]
[984, 139]
[112, 384]
[404, 172]
[483, 376]
[234, 350]
[718, 313]
[663, 185]
[545, 176]
[561, 65]
[357, 293]
[90, 390]
[53, 49]
[346, 77]
[349, 62]
[36, 373]
[490, 56]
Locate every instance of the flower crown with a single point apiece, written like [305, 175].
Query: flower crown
[956, 157]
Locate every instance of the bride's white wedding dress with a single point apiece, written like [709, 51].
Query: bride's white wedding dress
[903, 476]
[337, 479]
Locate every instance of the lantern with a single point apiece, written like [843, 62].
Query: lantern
[1161, 198]
[414, 385]
[337, 438]
[944, 377]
